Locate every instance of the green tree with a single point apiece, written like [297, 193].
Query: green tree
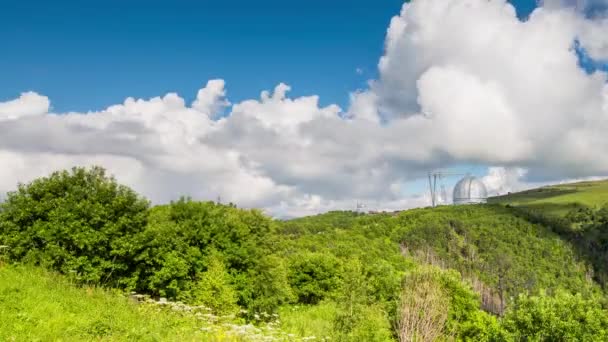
[214, 289]
[352, 297]
[79, 222]
[356, 318]
[314, 276]
[265, 287]
[181, 236]
[563, 317]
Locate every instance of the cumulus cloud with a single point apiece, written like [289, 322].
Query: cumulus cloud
[461, 82]
[211, 99]
[590, 8]
[502, 180]
[28, 104]
[496, 89]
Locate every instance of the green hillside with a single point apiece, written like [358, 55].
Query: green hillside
[577, 212]
[559, 199]
[74, 244]
[36, 305]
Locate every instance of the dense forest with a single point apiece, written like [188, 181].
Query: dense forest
[494, 272]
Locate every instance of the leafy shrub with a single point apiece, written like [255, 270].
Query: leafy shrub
[356, 318]
[563, 317]
[314, 276]
[214, 290]
[265, 287]
[436, 303]
[79, 222]
[490, 243]
[424, 306]
[183, 239]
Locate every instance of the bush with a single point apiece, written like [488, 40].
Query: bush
[356, 319]
[79, 222]
[436, 303]
[563, 317]
[183, 239]
[214, 289]
[314, 276]
[424, 306]
[265, 287]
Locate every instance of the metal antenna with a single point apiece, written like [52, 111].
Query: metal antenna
[444, 194]
[434, 176]
[432, 188]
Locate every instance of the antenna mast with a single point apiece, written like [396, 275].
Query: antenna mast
[439, 175]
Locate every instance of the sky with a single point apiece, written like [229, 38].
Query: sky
[304, 107]
[88, 55]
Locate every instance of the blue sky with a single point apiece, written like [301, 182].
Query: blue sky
[86, 55]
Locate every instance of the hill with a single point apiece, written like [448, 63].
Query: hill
[577, 212]
[74, 243]
[559, 199]
[37, 305]
[497, 252]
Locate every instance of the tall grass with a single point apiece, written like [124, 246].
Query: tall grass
[36, 305]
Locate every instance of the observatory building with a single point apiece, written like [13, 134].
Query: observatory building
[470, 190]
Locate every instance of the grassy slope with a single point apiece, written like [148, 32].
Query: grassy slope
[559, 199]
[37, 305]
[486, 242]
[552, 206]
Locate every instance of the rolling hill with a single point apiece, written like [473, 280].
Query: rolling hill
[559, 199]
[526, 266]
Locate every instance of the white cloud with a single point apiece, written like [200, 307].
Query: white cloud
[211, 99]
[501, 180]
[496, 90]
[28, 104]
[461, 82]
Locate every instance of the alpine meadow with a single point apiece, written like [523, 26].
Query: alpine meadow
[304, 171]
[86, 258]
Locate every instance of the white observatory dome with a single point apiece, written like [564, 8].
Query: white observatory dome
[470, 190]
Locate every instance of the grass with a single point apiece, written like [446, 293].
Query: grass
[559, 199]
[309, 320]
[36, 305]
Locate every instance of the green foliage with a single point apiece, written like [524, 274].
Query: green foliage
[373, 326]
[79, 222]
[341, 275]
[184, 237]
[438, 302]
[266, 286]
[37, 305]
[352, 299]
[558, 200]
[309, 320]
[585, 228]
[563, 317]
[213, 289]
[40, 306]
[491, 244]
[314, 276]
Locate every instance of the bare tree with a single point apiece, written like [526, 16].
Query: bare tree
[423, 309]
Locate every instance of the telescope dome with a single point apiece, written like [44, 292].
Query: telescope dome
[470, 190]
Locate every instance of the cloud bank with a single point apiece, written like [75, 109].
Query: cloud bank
[461, 82]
